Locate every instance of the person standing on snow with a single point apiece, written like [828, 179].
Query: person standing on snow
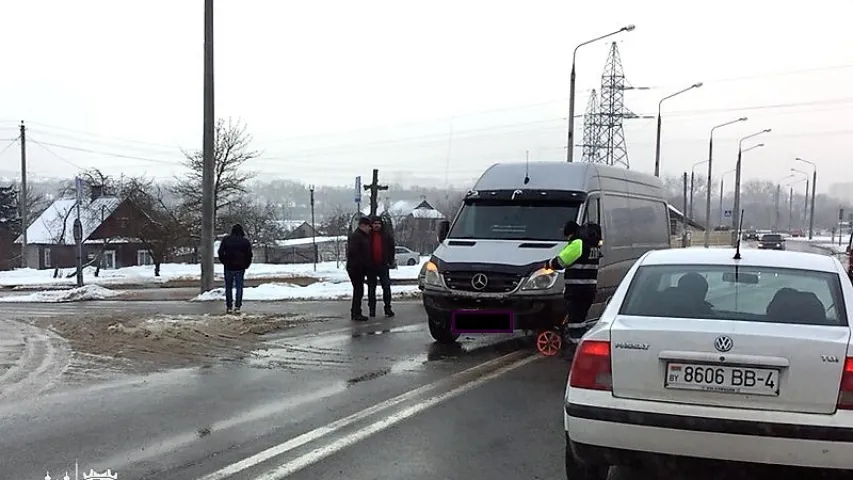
[580, 259]
[383, 258]
[235, 254]
[358, 265]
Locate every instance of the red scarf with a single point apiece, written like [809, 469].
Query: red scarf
[377, 247]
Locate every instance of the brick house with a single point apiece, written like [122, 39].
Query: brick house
[108, 232]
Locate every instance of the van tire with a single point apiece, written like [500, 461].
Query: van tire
[441, 333]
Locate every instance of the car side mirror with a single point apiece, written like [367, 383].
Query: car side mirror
[443, 230]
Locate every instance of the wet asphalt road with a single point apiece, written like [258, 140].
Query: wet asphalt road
[432, 416]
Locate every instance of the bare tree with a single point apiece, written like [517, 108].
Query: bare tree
[337, 224]
[231, 151]
[164, 227]
[450, 203]
[259, 221]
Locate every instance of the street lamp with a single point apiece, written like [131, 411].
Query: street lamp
[791, 201]
[806, 206]
[570, 147]
[814, 189]
[736, 212]
[692, 181]
[722, 191]
[710, 171]
[657, 141]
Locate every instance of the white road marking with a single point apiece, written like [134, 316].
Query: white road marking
[318, 454]
[323, 431]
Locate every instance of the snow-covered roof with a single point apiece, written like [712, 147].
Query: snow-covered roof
[290, 224]
[55, 226]
[295, 242]
[403, 208]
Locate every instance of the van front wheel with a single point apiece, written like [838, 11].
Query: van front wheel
[440, 331]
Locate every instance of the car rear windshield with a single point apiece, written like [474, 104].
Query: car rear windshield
[753, 294]
[771, 238]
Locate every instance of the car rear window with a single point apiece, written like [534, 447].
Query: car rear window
[754, 294]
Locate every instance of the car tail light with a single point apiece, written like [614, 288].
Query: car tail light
[845, 393]
[591, 366]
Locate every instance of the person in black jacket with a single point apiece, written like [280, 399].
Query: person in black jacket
[235, 254]
[383, 258]
[358, 264]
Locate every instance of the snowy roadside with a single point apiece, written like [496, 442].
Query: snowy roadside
[81, 294]
[27, 278]
[274, 292]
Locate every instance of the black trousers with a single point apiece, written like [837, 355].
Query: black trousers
[381, 275]
[357, 276]
[578, 302]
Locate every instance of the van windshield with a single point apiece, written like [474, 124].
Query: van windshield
[513, 220]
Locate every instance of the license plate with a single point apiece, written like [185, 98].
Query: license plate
[722, 379]
[482, 321]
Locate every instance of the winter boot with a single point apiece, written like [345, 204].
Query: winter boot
[388, 312]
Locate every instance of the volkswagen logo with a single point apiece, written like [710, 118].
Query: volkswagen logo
[479, 281]
[723, 343]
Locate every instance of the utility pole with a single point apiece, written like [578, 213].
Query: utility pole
[684, 215]
[208, 163]
[23, 200]
[721, 202]
[313, 228]
[374, 188]
[791, 209]
[692, 178]
[78, 231]
[357, 196]
[776, 218]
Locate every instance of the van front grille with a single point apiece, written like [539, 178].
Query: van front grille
[495, 282]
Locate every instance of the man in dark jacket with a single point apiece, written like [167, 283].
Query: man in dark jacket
[382, 258]
[358, 265]
[235, 254]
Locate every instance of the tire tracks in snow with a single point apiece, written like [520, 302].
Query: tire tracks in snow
[40, 359]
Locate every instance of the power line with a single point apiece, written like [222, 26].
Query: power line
[152, 149]
[78, 167]
[13, 142]
[111, 154]
[101, 135]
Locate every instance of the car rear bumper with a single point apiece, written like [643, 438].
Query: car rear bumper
[600, 432]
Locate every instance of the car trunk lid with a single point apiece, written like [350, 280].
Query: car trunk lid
[728, 363]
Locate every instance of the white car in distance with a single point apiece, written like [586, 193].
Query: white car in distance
[702, 356]
[404, 256]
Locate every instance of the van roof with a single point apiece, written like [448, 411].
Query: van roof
[559, 175]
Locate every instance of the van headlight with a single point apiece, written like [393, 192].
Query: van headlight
[431, 275]
[542, 279]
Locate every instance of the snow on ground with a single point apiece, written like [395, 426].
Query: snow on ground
[270, 292]
[88, 292]
[327, 271]
[826, 242]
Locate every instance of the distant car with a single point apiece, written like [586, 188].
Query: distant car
[404, 256]
[772, 241]
[703, 357]
[796, 233]
[750, 235]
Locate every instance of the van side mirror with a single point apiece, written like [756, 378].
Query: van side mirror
[443, 230]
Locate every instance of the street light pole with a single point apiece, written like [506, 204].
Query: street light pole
[571, 138]
[806, 205]
[657, 140]
[710, 171]
[814, 189]
[692, 181]
[208, 209]
[738, 168]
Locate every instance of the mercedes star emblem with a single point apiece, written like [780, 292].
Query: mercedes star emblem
[723, 343]
[479, 281]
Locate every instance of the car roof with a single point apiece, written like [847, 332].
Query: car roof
[749, 257]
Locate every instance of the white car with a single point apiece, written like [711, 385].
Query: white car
[699, 355]
[404, 256]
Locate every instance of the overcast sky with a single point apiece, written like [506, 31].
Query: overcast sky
[331, 89]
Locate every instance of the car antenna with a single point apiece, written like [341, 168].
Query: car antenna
[526, 167]
[738, 233]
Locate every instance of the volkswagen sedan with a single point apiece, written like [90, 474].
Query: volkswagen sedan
[704, 355]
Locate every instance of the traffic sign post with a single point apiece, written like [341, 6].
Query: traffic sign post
[727, 213]
[357, 197]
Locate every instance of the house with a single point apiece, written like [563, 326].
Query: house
[107, 232]
[301, 250]
[415, 224]
[298, 229]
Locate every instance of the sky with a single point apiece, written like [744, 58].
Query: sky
[429, 93]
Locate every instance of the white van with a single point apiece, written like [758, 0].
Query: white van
[490, 258]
